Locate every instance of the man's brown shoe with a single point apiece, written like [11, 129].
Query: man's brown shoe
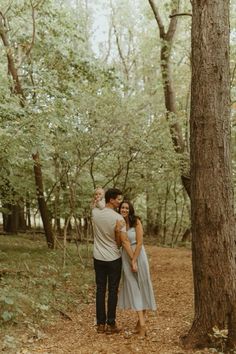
[101, 328]
[112, 329]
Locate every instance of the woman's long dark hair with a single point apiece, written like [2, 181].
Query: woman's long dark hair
[132, 217]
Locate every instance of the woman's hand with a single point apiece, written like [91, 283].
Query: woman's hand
[134, 266]
[119, 225]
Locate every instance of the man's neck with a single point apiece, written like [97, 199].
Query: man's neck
[110, 206]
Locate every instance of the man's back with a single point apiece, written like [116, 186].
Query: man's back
[104, 222]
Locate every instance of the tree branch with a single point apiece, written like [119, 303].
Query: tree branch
[17, 88]
[109, 44]
[158, 18]
[233, 75]
[33, 29]
[181, 14]
[120, 52]
[173, 23]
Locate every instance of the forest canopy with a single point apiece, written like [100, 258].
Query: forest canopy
[82, 88]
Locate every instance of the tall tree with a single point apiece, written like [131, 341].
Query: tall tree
[17, 89]
[167, 38]
[212, 211]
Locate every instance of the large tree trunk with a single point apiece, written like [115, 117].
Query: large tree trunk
[41, 201]
[212, 211]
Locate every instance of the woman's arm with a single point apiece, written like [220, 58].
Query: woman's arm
[119, 225]
[122, 239]
[139, 239]
[126, 244]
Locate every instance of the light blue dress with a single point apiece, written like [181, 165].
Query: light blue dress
[136, 288]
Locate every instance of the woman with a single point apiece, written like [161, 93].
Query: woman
[136, 292]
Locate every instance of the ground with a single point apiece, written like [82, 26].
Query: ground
[172, 281]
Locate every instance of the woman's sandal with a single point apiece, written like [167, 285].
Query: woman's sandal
[142, 332]
[136, 328]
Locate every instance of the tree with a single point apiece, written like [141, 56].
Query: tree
[17, 89]
[83, 115]
[212, 210]
[167, 38]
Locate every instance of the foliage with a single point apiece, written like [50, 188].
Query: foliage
[219, 338]
[82, 115]
[35, 288]
[96, 116]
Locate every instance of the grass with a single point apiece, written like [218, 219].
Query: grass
[35, 286]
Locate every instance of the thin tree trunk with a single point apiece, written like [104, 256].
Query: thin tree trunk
[12, 70]
[28, 214]
[41, 201]
[153, 226]
[11, 221]
[173, 233]
[165, 213]
[57, 224]
[167, 38]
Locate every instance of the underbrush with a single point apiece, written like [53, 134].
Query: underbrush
[37, 286]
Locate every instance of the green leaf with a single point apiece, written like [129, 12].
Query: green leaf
[7, 316]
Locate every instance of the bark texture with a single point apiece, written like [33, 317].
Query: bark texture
[41, 201]
[167, 38]
[212, 211]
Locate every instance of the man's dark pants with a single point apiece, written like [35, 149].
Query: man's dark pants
[107, 272]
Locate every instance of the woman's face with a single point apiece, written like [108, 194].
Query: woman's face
[124, 209]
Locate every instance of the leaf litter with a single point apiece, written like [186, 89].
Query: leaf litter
[171, 274]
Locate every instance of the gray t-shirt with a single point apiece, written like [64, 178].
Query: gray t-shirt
[104, 222]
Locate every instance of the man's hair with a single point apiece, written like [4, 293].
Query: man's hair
[112, 193]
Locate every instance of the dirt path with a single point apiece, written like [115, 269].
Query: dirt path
[172, 281]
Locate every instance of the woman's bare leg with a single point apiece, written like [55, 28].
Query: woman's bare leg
[141, 318]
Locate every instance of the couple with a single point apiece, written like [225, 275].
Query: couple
[110, 231]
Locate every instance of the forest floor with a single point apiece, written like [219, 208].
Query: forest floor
[172, 281]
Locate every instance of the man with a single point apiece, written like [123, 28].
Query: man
[107, 260]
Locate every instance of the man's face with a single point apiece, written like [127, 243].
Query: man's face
[116, 202]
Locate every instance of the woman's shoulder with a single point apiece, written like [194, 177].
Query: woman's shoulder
[138, 221]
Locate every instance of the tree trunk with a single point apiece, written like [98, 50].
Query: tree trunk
[22, 220]
[56, 215]
[154, 225]
[212, 211]
[164, 234]
[11, 220]
[18, 90]
[167, 38]
[41, 201]
[28, 223]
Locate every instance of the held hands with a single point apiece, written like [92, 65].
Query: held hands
[134, 266]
